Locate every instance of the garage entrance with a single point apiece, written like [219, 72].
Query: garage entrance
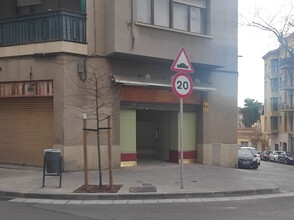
[26, 129]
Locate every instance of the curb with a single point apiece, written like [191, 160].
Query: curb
[7, 195]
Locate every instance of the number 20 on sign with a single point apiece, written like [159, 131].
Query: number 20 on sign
[182, 85]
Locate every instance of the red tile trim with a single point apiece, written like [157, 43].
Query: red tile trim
[174, 156]
[128, 157]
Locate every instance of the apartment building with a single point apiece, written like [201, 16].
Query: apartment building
[278, 103]
[50, 48]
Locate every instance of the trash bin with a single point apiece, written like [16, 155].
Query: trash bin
[52, 164]
[52, 158]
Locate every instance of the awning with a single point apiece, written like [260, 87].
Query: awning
[140, 81]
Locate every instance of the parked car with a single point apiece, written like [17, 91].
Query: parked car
[265, 155]
[275, 155]
[246, 159]
[254, 152]
[286, 158]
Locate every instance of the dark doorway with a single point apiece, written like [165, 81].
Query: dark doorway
[153, 135]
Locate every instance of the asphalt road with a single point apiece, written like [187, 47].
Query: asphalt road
[277, 174]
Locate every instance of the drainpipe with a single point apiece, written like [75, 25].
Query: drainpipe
[83, 6]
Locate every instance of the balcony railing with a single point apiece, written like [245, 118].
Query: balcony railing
[285, 63]
[58, 25]
[286, 84]
[286, 107]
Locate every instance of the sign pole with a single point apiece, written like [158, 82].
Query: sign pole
[182, 86]
[181, 140]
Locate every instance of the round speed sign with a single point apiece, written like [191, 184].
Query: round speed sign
[182, 85]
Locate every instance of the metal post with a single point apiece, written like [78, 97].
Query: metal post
[60, 170]
[44, 164]
[110, 152]
[85, 150]
[181, 140]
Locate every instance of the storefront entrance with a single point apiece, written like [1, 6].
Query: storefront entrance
[148, 135]
[153, 134]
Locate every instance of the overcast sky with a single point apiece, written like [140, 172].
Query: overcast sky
[253, 45]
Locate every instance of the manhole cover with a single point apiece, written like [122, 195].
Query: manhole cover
[142, 189]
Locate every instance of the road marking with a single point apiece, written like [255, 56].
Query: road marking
[150, 201]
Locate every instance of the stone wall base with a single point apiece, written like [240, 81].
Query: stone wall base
[74, 157]
[225, 155]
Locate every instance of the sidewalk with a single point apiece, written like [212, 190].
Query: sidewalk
[199, 181]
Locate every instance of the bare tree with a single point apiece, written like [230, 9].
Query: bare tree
[97, 95]
[256, 133]
[281, 24]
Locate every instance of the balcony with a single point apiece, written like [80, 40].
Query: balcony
[274, 131]
[285, 63]
[286, 107]
[286, 85]
[61, 25]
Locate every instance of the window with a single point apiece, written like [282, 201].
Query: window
[274, 123]
[274, 104]
[244, 143]
[22, 3]
[291, 122]
[195, 20]
[274, 65]
[276, 146]
[180, 18]
[185, 15]
[274, 85]
[162, 13]
[144, 11]
[284, 146]
[28, 6]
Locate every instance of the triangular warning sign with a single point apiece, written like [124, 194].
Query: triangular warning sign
[182, 63]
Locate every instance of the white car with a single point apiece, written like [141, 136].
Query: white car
[254, 152]
[274, 156]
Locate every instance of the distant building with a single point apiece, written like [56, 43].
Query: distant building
[255, 136]
[279, 97]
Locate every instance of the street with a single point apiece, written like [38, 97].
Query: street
[274, 173]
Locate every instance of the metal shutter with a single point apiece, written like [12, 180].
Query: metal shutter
[26, 129]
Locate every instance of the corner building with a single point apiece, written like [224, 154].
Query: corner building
[49, 47]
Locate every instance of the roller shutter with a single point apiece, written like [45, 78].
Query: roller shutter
[26, 129]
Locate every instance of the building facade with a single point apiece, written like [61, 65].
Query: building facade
[278, 103]
[255, 136]
[51, 50]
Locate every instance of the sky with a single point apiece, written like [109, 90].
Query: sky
[253, 44]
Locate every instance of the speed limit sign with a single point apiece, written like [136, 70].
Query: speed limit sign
[182, 85]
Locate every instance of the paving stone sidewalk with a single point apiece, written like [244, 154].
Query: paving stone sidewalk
[147, 181]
